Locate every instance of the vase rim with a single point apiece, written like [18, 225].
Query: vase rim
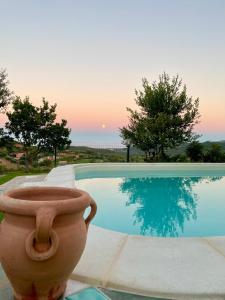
[27, 200]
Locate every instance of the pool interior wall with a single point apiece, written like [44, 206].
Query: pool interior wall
[152, 169]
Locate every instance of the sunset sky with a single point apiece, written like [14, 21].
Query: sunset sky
[89, 56]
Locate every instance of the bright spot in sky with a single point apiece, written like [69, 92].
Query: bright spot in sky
[103, 126]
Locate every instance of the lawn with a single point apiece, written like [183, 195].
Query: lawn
[11, 175]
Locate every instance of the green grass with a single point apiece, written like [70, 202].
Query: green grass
[11, 175]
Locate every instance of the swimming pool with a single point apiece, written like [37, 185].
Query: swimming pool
[168, 202]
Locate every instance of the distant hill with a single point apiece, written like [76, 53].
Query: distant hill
[176, 151]
[207, 144]
[181, 149]
[86, 148]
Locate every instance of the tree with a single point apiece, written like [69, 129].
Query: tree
[139, 134]
[166, 116]
[26, 121]
[5, 94]
[6, 97]
[215, 154]
[6, 140]
[195, 151]
[55, 138]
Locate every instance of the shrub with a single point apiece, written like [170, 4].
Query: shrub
[215, 154]
[2, 169]
[179, 158]
[1, 216]
[45, 163]
[3, 153]
[195, 151]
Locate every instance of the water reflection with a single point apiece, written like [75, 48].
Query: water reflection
[164, 204]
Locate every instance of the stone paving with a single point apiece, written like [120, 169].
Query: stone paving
[5, 289]
[174, 268]
[183, 268]
[17, 181]
[7, 294]
[74, 291]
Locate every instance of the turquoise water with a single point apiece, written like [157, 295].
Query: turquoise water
[90, 293]
[159, 206]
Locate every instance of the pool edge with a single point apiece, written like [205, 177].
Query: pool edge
[117, 271]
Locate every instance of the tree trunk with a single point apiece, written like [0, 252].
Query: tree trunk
[146, 155]
[128, 153]
[55, 156]
[26, 161]
[162, 152]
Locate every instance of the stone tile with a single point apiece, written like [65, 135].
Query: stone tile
[102, 249]
[62, 183]
[218, 243]
[185, 268]
[21, 181]
[59, 183]
[28, 184]
[69, 169]
[35, 177]
[59, 177]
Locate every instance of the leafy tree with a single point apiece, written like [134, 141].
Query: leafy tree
[215, 154]
[140, 135]
[55, 138]
[166, 116]
[6, 140]
[195, 151]
[6, 97]
[5, 94]
[26, 121]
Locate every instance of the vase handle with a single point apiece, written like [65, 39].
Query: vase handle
[44, 220]
[92, 212]
[42, 243]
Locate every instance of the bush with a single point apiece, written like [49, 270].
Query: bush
[3, 153]
[1, 216]
[11, 159]
[45, 163]
[215, 154]
[2, 169]
[195, 151]
[179, 158]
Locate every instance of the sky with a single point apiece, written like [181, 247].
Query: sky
[89, 56]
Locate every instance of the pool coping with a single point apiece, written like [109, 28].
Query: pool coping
[174, 268]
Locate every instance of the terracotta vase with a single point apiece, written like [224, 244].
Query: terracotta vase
[42, 238]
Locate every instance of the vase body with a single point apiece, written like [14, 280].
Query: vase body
[42, 238]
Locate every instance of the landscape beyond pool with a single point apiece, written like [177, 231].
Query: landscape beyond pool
[163, 205]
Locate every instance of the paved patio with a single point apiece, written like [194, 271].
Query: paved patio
[172, 268]
[76, 290]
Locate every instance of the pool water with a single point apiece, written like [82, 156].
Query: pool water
[159, 206]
